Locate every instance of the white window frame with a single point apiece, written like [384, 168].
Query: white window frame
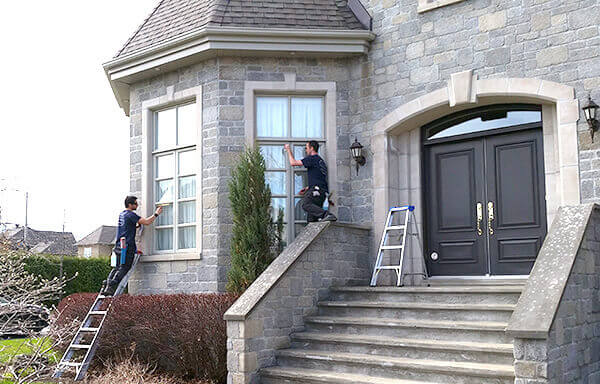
[425, 5]
[149, 110]
[87, 252]
[291, 88]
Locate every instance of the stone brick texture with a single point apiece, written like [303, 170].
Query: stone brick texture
[412, 55]
[338, 257]
[571, 353]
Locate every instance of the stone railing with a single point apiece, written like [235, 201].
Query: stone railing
[556, 324]
[275, 305]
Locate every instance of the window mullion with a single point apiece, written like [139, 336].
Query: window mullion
[175, 201]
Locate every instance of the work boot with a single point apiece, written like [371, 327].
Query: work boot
[328, 217]
[111, 288]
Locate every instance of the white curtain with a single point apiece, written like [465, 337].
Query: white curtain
[307, 117]
[164, 239]
[187, 237]
[187, 187]
[271, 116]
[187, 212]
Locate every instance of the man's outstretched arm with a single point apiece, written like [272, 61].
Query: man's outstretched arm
[150, 219]
[293, 161]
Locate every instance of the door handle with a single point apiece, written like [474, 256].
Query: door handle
[479, 218]
[490, 217]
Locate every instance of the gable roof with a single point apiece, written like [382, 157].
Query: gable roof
[51, 242]
[174, 18]
[105, 234]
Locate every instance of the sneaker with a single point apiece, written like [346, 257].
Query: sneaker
[328, 217]
[110, 289]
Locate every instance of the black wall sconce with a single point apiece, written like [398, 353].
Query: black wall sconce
[590, 110]
[356, 150]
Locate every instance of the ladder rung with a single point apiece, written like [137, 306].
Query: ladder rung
[391, 247]
[87, 329]
[101, 297]
[395, 227]
[97, 313]
[70, 364]
[389, 267]
[81, 346]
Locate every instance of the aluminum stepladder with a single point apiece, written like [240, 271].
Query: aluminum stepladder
[95, 315]
[409, 220]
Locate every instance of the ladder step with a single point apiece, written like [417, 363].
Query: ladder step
[70, 364]
[389, 267]
[97, 313]
[87, 329]
[395, 227]
[81, 346]
[101, 297]
[392, 247]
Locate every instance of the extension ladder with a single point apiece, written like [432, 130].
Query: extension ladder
[409, 219]
[96, 315]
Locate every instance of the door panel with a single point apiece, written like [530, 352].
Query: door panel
[455, 174]
[515, 185]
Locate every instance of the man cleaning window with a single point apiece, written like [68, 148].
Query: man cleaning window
[128, 221]
[313, 195]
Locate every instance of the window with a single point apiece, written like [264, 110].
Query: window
[175, 159]
[288, 120]
[87, 252]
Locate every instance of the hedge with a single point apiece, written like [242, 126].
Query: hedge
[90, 272]
[182, 335]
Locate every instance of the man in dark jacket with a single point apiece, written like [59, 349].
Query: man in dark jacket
[128, 222]
[315, 193]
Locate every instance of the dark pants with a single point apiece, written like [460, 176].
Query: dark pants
[118, 273]
[312, 204]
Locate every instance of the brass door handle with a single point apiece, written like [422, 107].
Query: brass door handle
[490, 217]
[479, 218]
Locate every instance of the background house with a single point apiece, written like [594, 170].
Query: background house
[46, 242]
[99, 243]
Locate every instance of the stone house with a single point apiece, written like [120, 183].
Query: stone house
[98, 243]
[468, 109]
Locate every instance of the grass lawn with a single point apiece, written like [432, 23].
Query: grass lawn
[9, 347]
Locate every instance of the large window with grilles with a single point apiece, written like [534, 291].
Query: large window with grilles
[292, 120]
[174, 177]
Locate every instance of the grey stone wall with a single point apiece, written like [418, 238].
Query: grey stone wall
[338, 256]
[571, 352]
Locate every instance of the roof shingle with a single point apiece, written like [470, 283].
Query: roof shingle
[174, 18]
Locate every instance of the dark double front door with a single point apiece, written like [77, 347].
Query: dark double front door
[486, 211]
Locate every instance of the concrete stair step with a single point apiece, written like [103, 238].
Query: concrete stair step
[449, 372]
[454, 281]
[277, 375]
[427, 348]
[492, 294]
[480, 331]
[420, 310]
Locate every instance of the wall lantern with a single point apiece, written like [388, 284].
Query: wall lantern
[356, 149]
[590, 110]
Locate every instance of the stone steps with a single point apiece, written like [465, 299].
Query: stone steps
[483, 331]
[454, 281]
[398, 367]
[277, 375]
[418, 310]
[425, 348]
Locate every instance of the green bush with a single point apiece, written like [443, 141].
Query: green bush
[256, 238]
[90, 272]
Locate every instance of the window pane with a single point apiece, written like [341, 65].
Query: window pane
[187, 237]
[164, 166]
[187, 163]
[166, 217]
[165, 129]
[187, 212]
[271, 116]
[276, 181]
[164, 191]
[187, 187]
[164, 239]
[299, 213]
[274, 156]
[300, 181]
[186, 125]
[307, 117]
[276, 205]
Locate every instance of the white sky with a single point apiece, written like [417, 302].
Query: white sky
[63, 137]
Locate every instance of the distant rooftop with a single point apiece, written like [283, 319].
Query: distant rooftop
[174, 18]
[50, 242]
[105, 234]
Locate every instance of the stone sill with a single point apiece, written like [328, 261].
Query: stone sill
[170, 257]
[425, 6]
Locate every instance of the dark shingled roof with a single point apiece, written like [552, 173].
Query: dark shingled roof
[105, 234]
[56, 243]
[173, 18]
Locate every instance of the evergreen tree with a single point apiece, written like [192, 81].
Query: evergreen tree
[256, 238]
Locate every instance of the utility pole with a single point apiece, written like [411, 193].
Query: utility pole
[25, 230]
[62, 256]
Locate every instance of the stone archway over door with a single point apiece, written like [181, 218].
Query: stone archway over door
[396, 142]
